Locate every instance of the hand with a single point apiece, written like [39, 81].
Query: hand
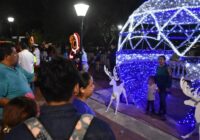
[4, 101]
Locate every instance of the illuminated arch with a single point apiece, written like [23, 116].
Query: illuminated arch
[166, 22]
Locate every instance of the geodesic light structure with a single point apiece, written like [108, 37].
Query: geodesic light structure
[156, 24]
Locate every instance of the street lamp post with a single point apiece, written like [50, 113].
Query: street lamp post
[10, 20]
[81, 10]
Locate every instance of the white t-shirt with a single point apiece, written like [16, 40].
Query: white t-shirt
[26, 60]
[152, 91]
[37, 54]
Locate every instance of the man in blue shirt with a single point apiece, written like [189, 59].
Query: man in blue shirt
[13, 79]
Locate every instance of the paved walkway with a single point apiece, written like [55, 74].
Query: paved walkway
[131, 123]
[137, 127]
[140, 121]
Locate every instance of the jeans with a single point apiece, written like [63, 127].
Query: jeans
[163, 106]
[150, 106]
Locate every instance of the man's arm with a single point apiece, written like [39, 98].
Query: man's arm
[169, 78]
[3, 91]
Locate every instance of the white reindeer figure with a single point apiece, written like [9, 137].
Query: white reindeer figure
[117, 90]
[194, 102]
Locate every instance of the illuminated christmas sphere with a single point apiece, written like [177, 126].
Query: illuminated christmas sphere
[163, 24]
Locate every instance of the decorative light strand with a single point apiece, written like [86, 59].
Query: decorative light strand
[163, 15]
[134, 68]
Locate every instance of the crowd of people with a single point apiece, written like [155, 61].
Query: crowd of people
[104, 56]
[65, 115]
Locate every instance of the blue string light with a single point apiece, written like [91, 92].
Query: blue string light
[147, 31]
[134, 68]
[164, 22]
[189, 120]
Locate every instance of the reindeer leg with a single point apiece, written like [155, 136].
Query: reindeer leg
[111, 100]
[117, 104]
[124, 93]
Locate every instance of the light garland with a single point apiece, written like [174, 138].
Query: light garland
[189, 120]
[134, 68]
[192, 66]
[163, 21]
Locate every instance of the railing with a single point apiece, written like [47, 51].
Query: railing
[178, 69]
[187, 67]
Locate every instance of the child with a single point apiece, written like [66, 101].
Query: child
[85, 91]
[152, 88]
[16, 111]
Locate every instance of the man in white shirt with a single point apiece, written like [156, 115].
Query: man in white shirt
[26, 58]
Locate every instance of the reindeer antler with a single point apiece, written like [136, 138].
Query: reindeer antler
[115, 74]
[108, 72]
[190, 92]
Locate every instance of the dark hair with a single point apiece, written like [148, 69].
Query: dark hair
[85, 78]
[57, 79]
[17, 110]
[5, 50]
[23, 45]
[152, 78]
[162, 56]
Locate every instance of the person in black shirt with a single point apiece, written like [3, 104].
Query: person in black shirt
[163, 81]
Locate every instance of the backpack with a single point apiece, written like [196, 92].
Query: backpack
[40, 133]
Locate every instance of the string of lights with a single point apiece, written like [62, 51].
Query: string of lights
[168, 21]
[192, 66]
[134, 68]
[189, 119]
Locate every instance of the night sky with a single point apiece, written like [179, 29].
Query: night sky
[57, 18]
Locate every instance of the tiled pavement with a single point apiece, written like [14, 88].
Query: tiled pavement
[145, 126]
[136, 128]
[132, 123]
